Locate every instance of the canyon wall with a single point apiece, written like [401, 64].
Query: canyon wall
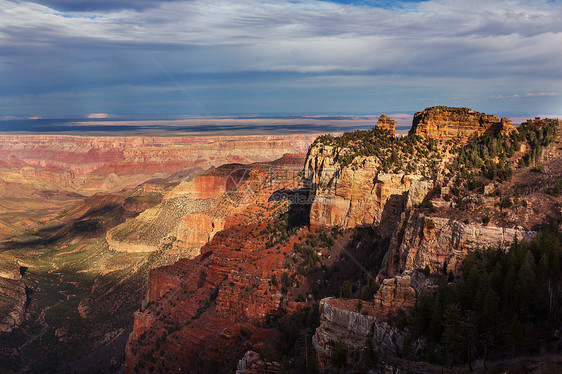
[42, 175]
[94, 164]
[350, 197]
[436, 241]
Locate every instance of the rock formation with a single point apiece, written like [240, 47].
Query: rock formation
[448, 123]
[194, 211]
[394, 294]
[253, 363]
[351, 197]
[12, 303]
[435, 241]
[12, 294]
[341, 323]
[41, 175]
[201, 307]
[386, 123]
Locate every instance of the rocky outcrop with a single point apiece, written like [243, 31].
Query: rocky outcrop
[506, 126]
[448, 123]
[351, 197]
[253, 363]
[386, 123]
[341, 323]
[394, 294]
[435, 241]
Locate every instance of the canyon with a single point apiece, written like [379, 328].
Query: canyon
[286, 254]
[69, 285]
[42, 175]
[416, 232]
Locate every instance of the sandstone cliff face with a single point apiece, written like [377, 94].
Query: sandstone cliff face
[447, 123]
[340, 321]
[395, 294]
[351, 197]
[434, 241]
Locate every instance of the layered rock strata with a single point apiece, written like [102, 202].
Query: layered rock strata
[395, 294]
[351, 197]
[448, 123]
[435, 242]
[194, 211]
[94, 164]
[341, 323]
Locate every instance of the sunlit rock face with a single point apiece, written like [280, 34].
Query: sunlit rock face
[447, 123]
[386, 123]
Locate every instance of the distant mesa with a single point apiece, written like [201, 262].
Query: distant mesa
[386, 123]
[446, 123]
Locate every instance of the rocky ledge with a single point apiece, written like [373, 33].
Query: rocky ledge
[354, 330]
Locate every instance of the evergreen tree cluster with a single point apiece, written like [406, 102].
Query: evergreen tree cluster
[500, 301]
[408, 154]
[491, 155]
[539, 133]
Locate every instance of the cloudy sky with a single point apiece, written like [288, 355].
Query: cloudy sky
[73, 57]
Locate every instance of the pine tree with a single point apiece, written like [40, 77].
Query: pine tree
[453, 332]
